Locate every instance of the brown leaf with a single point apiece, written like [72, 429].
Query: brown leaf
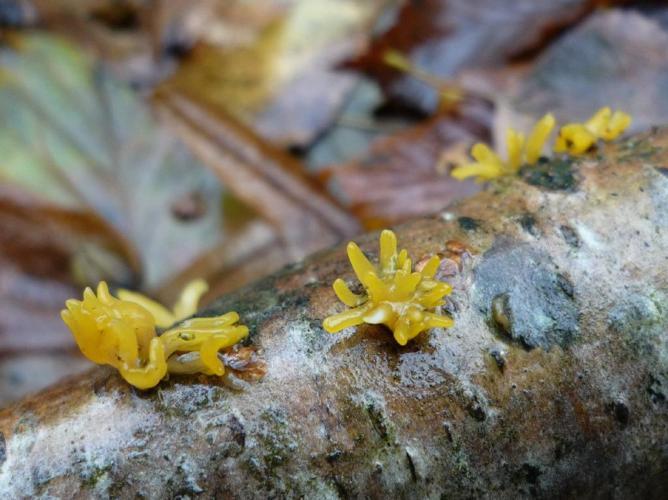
[39, 237]
[78, 139]
[272, 182]
[442, 37]
[30, 312]
[604, 62]
[402, 176]
[39, 244]
[277, 72]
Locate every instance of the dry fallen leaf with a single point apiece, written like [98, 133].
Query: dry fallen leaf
[443, 37]
[617, 58]
[402, 175]
[277, 71]
[261, 175]
[75, 138]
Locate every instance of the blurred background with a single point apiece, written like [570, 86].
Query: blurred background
[150, 142]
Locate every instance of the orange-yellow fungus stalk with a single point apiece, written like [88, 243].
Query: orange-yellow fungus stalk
[396, 296]
[122, 333]
[521, 151]
[578, 138]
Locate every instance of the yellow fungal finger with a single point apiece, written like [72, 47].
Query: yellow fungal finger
[405, 283]
[415, 329]
[618, 123]
[401, 331]
[189, 298]
[538, 137]
[430, 268]
[127, 347]
[163, 317]
[431, 297]
[345, 295]
[599, 121]
[376, 287]
[484, 154]
[388, 250]
[483, 171]
[381, 314]
[515, 145]
[438, 321]
[359, 262]
[345, 319]
[402, 258]
[151, 373]
[103, 293]
[210, 348]
[176, 340]
[574, 139]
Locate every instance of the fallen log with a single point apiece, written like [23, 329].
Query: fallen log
[553, 381]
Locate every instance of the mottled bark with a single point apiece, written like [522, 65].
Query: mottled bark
[553, 382]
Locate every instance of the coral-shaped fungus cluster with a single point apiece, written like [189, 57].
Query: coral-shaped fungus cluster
[395, 296]
[122, 333]
[574, 139]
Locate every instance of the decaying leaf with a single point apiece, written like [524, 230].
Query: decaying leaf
[261, 175]
[74, 137]
[277, 73]
[605, 60]
[443, 37]
[404, 175]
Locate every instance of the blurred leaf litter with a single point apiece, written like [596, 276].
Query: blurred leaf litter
[75, 138]
[444, 37]
[275, 68]
[616, 56]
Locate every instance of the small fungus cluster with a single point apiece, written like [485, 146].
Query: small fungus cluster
[395, 296]
[121, 333]
[574, 139]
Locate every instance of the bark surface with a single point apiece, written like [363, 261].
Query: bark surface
[552, 383]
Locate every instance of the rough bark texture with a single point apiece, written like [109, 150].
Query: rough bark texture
[553, 382]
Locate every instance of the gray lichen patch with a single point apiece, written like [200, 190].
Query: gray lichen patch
[182, 400]
[524, 297]
[637, 319]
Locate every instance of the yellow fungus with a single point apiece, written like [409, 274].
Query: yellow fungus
[395, 296]
[450, 93]
[185, 306]
[122, 333]
[578, 138]
[488, 165]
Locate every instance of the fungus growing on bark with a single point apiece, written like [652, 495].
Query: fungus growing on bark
[121, 333]
[574, 139]
[521, 151]
[578, 138]
[395, 296]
